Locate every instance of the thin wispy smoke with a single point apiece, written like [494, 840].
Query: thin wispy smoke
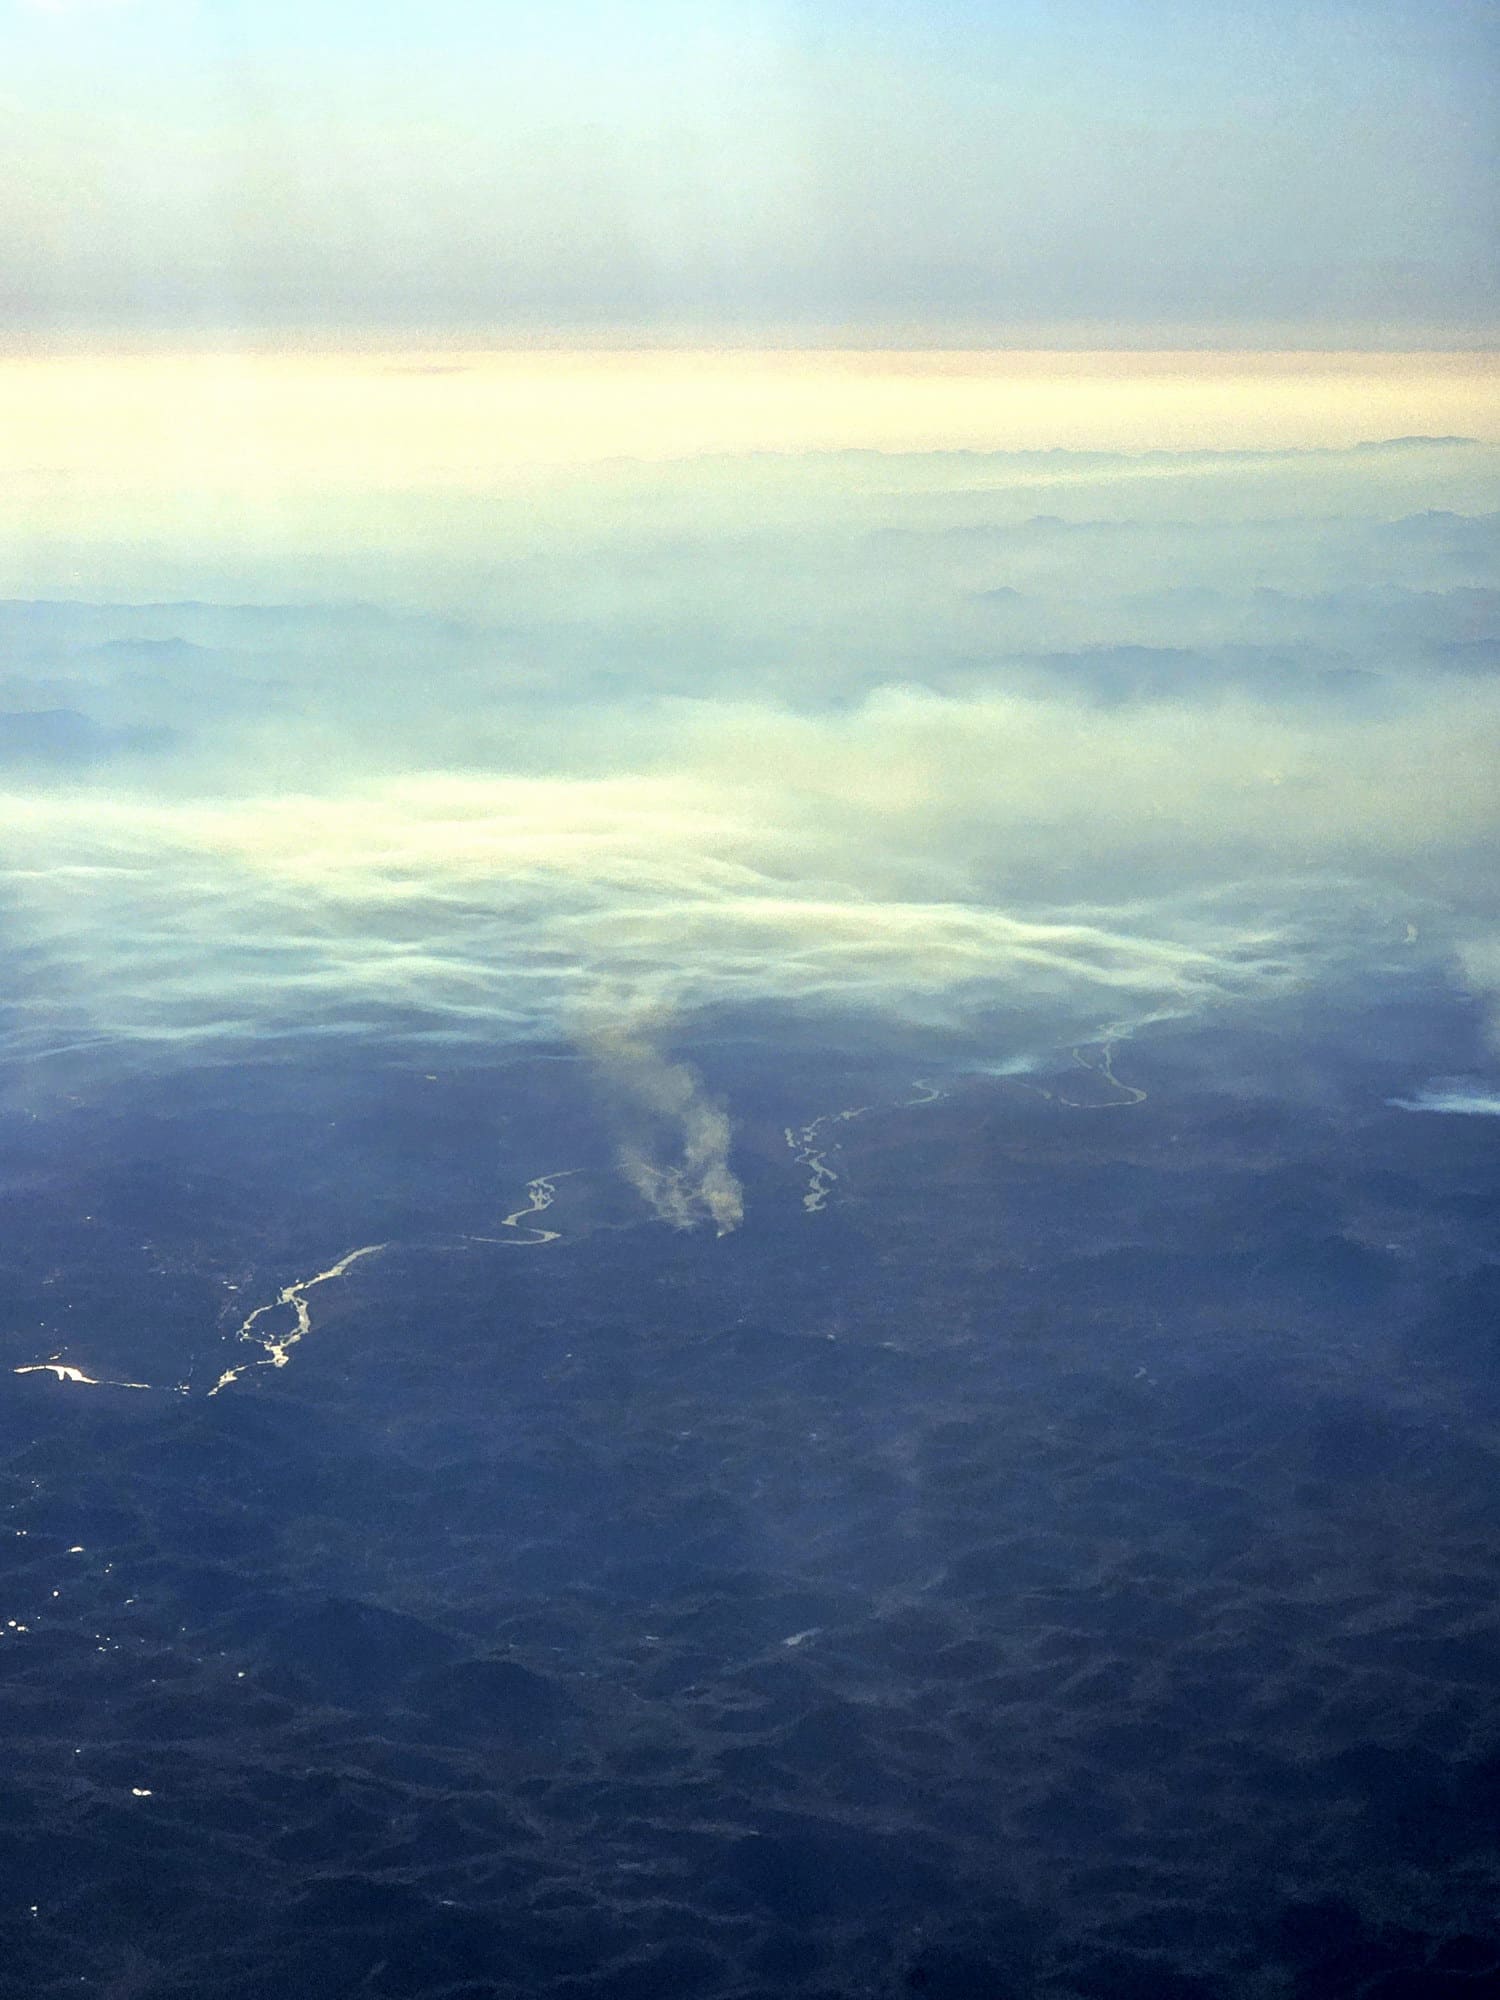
[1479, 969]
[1455, 1097]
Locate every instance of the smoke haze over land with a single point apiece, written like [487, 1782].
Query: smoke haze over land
[992, 745]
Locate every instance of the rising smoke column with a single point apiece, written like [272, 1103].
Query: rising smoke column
[672, 1140]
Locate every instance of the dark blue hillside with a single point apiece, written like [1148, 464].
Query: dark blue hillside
[1064, 1564]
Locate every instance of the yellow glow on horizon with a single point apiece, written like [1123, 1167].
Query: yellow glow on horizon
[265, 422]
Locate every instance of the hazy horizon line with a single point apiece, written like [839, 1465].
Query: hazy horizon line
[1271, 341]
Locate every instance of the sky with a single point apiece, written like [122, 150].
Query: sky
[1092, 172]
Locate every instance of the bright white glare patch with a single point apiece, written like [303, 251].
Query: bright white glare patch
[66, 1372]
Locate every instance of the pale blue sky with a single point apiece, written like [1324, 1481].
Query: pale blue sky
[1090, 168]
